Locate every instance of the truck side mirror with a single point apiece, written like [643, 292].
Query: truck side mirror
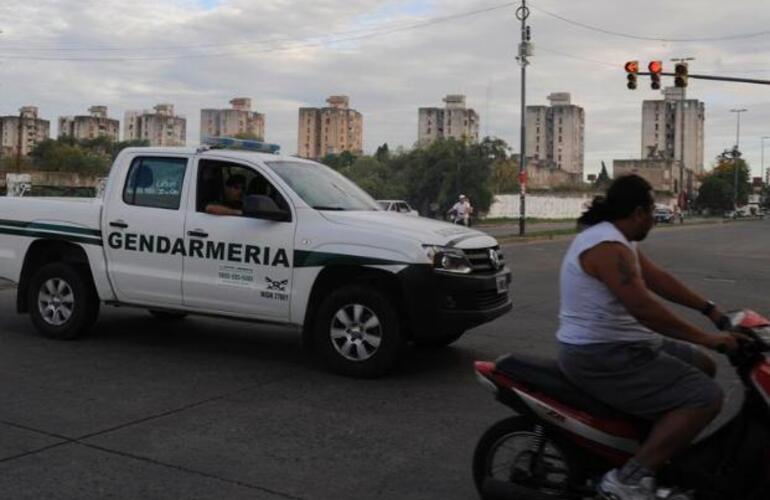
[259, 206]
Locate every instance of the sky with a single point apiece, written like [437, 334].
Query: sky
[390, 58]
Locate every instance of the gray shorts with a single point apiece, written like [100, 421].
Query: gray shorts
[642, 379]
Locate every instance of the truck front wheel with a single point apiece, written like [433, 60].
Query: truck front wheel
[63, 302]
[357, 332]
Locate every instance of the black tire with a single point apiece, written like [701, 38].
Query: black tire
[331, 337]
[445, 340]
[520, 473]
[76, 294]
[167, 315]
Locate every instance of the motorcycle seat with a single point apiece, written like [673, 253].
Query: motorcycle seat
[544, 375]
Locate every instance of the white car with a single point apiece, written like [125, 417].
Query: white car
[399, 206]
[305, 247]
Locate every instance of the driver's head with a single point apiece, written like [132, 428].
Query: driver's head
[234, 187]
[628, 203]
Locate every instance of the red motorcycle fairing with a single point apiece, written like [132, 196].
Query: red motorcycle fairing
[750, 319]
[616, 440]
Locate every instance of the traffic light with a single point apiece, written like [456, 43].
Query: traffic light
[680, 74]
[655, 67]
[632, 68]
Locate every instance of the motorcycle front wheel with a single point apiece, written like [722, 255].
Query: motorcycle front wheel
[518, 456]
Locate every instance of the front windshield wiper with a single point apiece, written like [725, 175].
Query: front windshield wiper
[321, 207]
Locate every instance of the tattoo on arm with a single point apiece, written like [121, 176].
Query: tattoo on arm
[626, 270]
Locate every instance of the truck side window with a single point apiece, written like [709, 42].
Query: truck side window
[214, 177]
[155, 182]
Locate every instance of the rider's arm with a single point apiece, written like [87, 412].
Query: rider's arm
[614, 265]
[667, 286]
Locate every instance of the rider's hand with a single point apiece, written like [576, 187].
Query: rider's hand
[725, 342]
[720, 320]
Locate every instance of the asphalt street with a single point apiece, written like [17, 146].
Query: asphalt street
[211, 409]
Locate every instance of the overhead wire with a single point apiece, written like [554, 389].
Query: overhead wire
[606, 31]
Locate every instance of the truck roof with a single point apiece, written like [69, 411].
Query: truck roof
[235, 154]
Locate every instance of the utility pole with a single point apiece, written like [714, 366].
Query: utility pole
[525, 51]
[19, 142]
[736, 153]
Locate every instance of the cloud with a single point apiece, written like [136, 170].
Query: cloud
[201, 53]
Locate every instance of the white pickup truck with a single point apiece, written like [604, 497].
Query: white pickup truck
[301, 245]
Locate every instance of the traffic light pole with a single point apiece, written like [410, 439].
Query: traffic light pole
[717, 78]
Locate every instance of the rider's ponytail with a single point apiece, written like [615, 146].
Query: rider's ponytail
[624, 195]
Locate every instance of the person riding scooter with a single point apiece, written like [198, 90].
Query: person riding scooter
[621, 345]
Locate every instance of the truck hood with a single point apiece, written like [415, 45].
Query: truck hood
[421, 229]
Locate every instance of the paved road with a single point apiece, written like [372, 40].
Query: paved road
[512, 229]
[207, 409]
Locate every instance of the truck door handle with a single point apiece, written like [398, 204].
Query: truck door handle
[197, 234]
[119, 223]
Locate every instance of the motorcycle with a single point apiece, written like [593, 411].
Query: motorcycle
[562, 441]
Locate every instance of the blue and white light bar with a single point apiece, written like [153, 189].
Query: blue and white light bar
[243, 144]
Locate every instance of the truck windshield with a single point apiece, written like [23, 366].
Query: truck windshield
[322, 188]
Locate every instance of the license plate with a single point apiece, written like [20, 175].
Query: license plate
[502, 284]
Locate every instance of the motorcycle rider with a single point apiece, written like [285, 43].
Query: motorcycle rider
[624, 347]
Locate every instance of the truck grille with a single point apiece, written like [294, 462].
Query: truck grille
[481, 262]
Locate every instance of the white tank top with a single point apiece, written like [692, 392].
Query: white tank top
[589, 312]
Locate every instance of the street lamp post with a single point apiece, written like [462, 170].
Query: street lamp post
[735, 154]
[766, 173]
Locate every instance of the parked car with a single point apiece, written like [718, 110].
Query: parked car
[399, 206]
[663, 214]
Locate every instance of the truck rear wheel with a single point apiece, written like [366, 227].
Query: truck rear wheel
[357, 332]
[63, 302]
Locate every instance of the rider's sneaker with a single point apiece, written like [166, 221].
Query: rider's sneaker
[611, 488]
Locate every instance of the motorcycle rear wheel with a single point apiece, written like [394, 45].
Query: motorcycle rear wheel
[507, 452]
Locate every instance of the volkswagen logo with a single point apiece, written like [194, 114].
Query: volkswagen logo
[494, 258]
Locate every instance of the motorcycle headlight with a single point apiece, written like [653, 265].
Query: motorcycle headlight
[449, 260]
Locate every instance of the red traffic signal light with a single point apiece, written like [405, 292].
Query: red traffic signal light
[680, 74]
[655, 67]
[632, 68]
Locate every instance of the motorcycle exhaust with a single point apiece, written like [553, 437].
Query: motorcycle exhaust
[494, 489]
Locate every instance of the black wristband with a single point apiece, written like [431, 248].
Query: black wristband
[708, 308]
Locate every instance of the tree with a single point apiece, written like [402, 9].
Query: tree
[249, 136]
[504, 177]
[383, 153]
[339, 161]
[604, 178]
[717, 191]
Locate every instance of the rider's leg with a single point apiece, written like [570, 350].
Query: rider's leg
[673, 433]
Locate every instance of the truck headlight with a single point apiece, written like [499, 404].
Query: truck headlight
[450, 260]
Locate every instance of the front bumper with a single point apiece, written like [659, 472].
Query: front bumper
[439, 303]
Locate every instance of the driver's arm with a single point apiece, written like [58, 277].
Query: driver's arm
[667, 286]
[614, 265]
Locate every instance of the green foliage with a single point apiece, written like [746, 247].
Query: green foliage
[717, 190]
[603, 179]
[504, 177]
[248, 136]
[89, 156]
[429, 178]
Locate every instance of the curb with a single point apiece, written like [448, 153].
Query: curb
[513, 239]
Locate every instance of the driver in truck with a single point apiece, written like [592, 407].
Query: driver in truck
[233, 200]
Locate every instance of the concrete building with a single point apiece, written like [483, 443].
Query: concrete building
[555, 133]
[672, 129]
[330, 130]
[161, 127]
[240, 119]
[454, 120]
[664, 175]
[95, 124]
[23, 131]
